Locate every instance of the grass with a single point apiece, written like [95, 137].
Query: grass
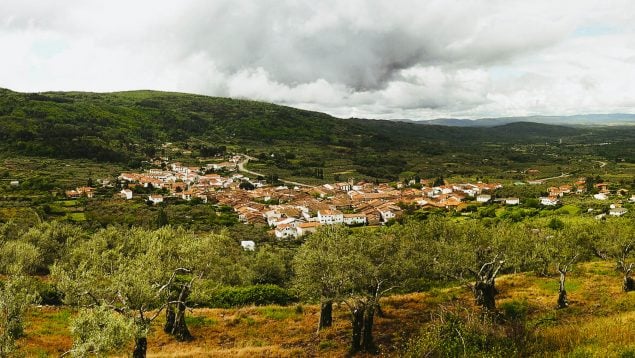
[278, 313]
[598, 322]
[77, 217]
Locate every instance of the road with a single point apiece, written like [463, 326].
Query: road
[241, 167]
[563, 175]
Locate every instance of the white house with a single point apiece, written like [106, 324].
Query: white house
[15, 183]
[600, 196]
[354, 219]
[155, 199]
[126, 194]
[248, 245]
[549, 201]
[272, 217]
[344, 186]
[285, 230]
[305, 228]
[387, 212]
[483, 198]
[512, 201]
[330, 217]
[617, 211]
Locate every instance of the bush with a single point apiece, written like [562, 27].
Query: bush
[49, 294]
[458, 332]
[258, 295]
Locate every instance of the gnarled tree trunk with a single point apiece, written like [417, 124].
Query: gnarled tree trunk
[628, 283]
[169, 319]
[358, 325]
[368, 345]
[485, 294]
[180, 330]
[140, 347]
[326, 315]
[485, 286]
[563, 302]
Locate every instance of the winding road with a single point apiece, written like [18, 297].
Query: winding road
[563, 175]
[241, 168]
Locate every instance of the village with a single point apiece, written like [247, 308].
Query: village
[296, 211]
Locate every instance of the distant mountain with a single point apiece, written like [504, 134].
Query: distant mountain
[615, 119]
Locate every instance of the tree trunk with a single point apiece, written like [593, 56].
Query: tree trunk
[368, 345]
[326, 315]
[358, 324]
[485, 294]
[140, 347]
[563, 302]
[169, 319]
[379, 311]
[180, 330]
[629, 283]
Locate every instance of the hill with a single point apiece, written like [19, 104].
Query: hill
[128, 127]
[614, 119]
[597, 323]
[107, 125]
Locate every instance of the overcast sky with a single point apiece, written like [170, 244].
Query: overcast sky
[377, 59]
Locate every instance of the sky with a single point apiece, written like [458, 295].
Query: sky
[418, 59]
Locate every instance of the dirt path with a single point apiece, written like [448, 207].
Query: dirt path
[241, 167]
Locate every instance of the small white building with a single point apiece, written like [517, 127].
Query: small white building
[248, 245]
[549, 201]
[512, 201]
[14, 183]
[285, 230]
[330, 217]
[617, 211]
[483, 198]
[387, 212]
[155, 199]
[600, 196]
[306, 228]
[126, 194]
[344, 186]
[354, 219]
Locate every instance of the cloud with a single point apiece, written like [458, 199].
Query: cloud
[378, 59]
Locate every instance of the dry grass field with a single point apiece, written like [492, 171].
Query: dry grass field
[598, 322]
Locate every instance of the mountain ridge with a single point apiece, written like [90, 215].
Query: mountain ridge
[602, 119]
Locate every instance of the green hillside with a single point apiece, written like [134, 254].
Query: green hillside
[126, 127]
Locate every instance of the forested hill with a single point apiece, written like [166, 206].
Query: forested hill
[124, 125]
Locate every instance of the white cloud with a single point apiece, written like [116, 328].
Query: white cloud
[379, 59]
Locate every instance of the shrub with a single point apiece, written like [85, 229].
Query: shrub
[49, 294]
[458, 332]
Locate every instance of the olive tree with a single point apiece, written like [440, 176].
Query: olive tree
[379, 262]
[469, 251]
[317, 269]
[16, 294]
[119, 270]
[190, 259]
[99, 331]
[615, 239]
[17, 291]
[54, 240]
[139, 273]
[355, 269]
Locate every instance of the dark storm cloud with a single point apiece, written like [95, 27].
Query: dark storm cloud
[373, 58]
